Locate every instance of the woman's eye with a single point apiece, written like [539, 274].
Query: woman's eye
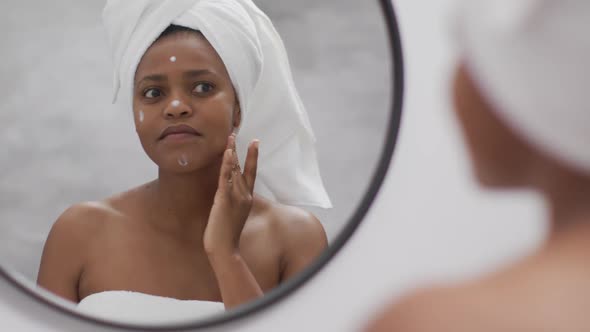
[203, 88]
[152, 93]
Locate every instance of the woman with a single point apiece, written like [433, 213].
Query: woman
[521, 98]
[202, 77]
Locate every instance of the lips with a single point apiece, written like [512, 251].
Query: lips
[179, 130]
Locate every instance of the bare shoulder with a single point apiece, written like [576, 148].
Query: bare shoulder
[298, 233]
[65, 250]
[541, 292]
[90, 218]
[292, 225]
[82, 220]
[443, 308]
[521, 297]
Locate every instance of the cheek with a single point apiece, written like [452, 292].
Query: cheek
[478, 131]
[216, 118]
[138, 113]
[496, 154]
[145, 125]
[140, 117]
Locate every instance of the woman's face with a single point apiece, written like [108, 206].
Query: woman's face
[182, 86]
[500, 158]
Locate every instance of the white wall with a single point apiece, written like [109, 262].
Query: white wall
[429, 222]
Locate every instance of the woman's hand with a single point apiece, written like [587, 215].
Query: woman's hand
[233, 201]
[231, 207]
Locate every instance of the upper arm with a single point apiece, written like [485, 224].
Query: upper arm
[64, 253]
[304, 239]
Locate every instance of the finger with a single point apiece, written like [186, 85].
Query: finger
[236, 160]
[251, 165]
[238, 180]
[229, 141]
[225, 174]
[240, 186]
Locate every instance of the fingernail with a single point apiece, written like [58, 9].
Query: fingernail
[256, 143]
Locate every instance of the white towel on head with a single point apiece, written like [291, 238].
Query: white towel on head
[531, 58]
[257, 63]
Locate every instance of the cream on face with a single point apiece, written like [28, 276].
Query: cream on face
[172, 59]
[141, 116]
[175, 103]
[183, 160]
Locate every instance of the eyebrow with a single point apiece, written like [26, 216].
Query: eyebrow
[155, 77]
[187, 74]
[196, 73]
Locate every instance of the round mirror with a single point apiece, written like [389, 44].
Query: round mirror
[99, 211]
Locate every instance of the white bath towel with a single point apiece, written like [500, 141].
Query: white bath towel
[256, 60]
[139, 308]
[532, 60]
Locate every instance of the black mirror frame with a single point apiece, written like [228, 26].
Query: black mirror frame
[280, 293]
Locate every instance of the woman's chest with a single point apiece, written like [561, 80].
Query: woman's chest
[163, 267]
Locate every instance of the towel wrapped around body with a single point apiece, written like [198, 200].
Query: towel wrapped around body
[139, 308]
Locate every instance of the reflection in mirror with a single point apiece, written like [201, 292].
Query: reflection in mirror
[145, 202]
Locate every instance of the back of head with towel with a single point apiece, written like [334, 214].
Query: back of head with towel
[521, 96]
[208, 81]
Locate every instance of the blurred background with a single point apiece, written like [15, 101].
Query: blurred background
[62, 141]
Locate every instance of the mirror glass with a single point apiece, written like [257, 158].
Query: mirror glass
[64, 143]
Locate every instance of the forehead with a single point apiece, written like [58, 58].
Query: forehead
[191, 50]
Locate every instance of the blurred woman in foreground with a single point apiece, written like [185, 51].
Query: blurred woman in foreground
[521, 93]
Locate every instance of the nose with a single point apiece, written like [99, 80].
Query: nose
[177, 109]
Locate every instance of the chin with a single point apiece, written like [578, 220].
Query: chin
[180, 166]
[186, 163]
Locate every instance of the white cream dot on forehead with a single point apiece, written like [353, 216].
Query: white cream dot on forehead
[172, 59]
[175, 103]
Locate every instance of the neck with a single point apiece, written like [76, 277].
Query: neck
[182, 201]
